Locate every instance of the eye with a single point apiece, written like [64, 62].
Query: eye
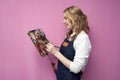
[65, 18]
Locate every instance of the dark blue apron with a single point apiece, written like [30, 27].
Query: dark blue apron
[64, 73]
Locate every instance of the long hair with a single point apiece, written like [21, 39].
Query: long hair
[77, 19]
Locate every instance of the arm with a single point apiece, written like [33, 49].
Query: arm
[82, 48]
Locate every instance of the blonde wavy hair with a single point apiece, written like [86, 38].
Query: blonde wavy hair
[77, 19]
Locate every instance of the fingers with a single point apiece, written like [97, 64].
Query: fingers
[49, 44]
[49, 47]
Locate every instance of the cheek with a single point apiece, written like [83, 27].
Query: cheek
[69, 23]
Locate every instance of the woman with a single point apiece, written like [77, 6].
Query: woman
[75, 49]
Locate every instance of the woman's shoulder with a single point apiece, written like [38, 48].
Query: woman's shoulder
[82, 34]
[82, 37]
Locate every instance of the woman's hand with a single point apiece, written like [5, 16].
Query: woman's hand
[50, 48]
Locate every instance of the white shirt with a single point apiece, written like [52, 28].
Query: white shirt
[82, 48]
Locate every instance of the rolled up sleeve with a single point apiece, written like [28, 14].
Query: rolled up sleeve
[82, 48]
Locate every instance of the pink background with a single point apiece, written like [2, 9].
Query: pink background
[19, 59]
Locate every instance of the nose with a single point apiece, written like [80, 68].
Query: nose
[63, 21]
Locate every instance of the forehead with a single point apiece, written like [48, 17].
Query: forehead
[65, 14]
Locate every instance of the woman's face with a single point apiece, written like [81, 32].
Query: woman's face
[67, 23]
